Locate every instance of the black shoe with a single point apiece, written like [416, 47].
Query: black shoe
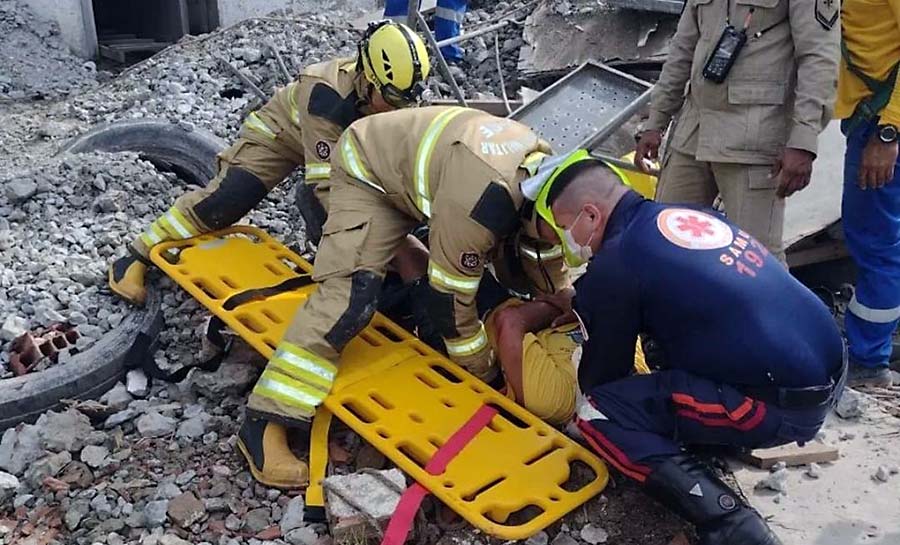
[692, 490]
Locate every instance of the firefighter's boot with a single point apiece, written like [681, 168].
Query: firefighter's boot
[126, 279]
[690, 489]
[265, 446]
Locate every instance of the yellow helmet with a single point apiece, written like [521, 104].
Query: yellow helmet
[395, 61]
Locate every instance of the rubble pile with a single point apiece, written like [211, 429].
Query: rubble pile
[36, 63]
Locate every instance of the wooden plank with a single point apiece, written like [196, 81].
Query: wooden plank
[792, 455]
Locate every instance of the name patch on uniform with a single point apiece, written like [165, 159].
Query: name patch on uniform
[827, 12]
[469, 261]
[694, 230]
[323, 150]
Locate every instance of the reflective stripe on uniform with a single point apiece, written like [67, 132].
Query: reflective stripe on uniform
[354, 165]
[466, 346]
[460, 284]
[874, 315]
[153, 235]
[176, 225]
[423, 158]
[304, 365]
[318, 171]
[543, 255]
[533, 161]
[292, 100]
[256, 123]
[450, 14]
[284, 389]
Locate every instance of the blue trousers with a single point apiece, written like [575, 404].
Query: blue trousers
[641, 418]
[447, 24]
[871, 221]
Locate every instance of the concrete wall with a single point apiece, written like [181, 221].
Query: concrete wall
[76, 22]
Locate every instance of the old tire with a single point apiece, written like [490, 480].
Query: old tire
[189, 153]
[89, 374]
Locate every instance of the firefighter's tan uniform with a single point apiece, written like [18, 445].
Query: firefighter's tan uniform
[549, 380]
[778, 94]
[456, 169]
[300, 125]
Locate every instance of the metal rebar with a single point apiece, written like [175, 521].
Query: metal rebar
[411, 11]
[442, 62]
[624, 165]
[243, 77]
[278, 59]
[474, 33]
[500, 71]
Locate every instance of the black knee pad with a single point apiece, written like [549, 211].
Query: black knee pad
[311, 210]
[238, 193]
[364, 289]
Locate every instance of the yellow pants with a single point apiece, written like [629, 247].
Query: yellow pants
[549, 380]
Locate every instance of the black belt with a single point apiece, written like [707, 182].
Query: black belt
[801, 398]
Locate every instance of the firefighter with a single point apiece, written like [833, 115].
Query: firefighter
[455, 169]
[752, 358]
[298, 126]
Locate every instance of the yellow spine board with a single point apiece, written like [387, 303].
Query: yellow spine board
[400, 395]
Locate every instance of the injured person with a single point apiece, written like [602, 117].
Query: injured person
[538, 357]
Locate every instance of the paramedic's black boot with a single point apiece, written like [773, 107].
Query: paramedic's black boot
[126, 279]
[690, 489]
[265, 446]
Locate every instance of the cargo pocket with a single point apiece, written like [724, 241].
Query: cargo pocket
[343, 237]
[760, 108]
[760, 177]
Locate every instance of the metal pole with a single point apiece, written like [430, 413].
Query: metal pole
[500, 72]
[473, 34]
[411, 11]
[624, 165]
[442, 63]
[618, 120]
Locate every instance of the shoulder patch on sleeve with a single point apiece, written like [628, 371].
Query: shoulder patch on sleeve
[495, 211]
[827, 12]
[325, 102]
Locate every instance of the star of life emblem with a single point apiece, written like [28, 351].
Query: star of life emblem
[694, 230]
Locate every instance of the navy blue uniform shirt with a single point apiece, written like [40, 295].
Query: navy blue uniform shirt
[719, 305]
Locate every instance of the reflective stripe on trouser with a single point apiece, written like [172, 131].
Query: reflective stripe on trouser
[632, 420]
[470, 345]
[173, 225]
[871, 220]
[448, 19]
[271, 161]
[295, 382]
[318, 171]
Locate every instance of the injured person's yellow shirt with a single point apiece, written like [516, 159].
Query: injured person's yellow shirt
[871, 30]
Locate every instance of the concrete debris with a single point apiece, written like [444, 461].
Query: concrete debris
[185, 509]
[155, 513]
[154, 424]
[64, 431]
[814, 471]
[36, 62]
[117, 398]
[292, 518]
[370, 492]
[13, 326]
[563, 539]
[850, 405]
[95, 456]
[594, 534]
[776, 480]
[9, 483]
[19, 447]
[136, 383]
[882, 474]
[540, 538]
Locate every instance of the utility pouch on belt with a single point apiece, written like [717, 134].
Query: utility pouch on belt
[725, 54]
[869, 109]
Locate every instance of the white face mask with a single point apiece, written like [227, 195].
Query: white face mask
[576, 254]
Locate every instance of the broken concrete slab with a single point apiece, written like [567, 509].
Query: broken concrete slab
[844, 506]
[371, 493]
[554, 42]
[671, 7]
